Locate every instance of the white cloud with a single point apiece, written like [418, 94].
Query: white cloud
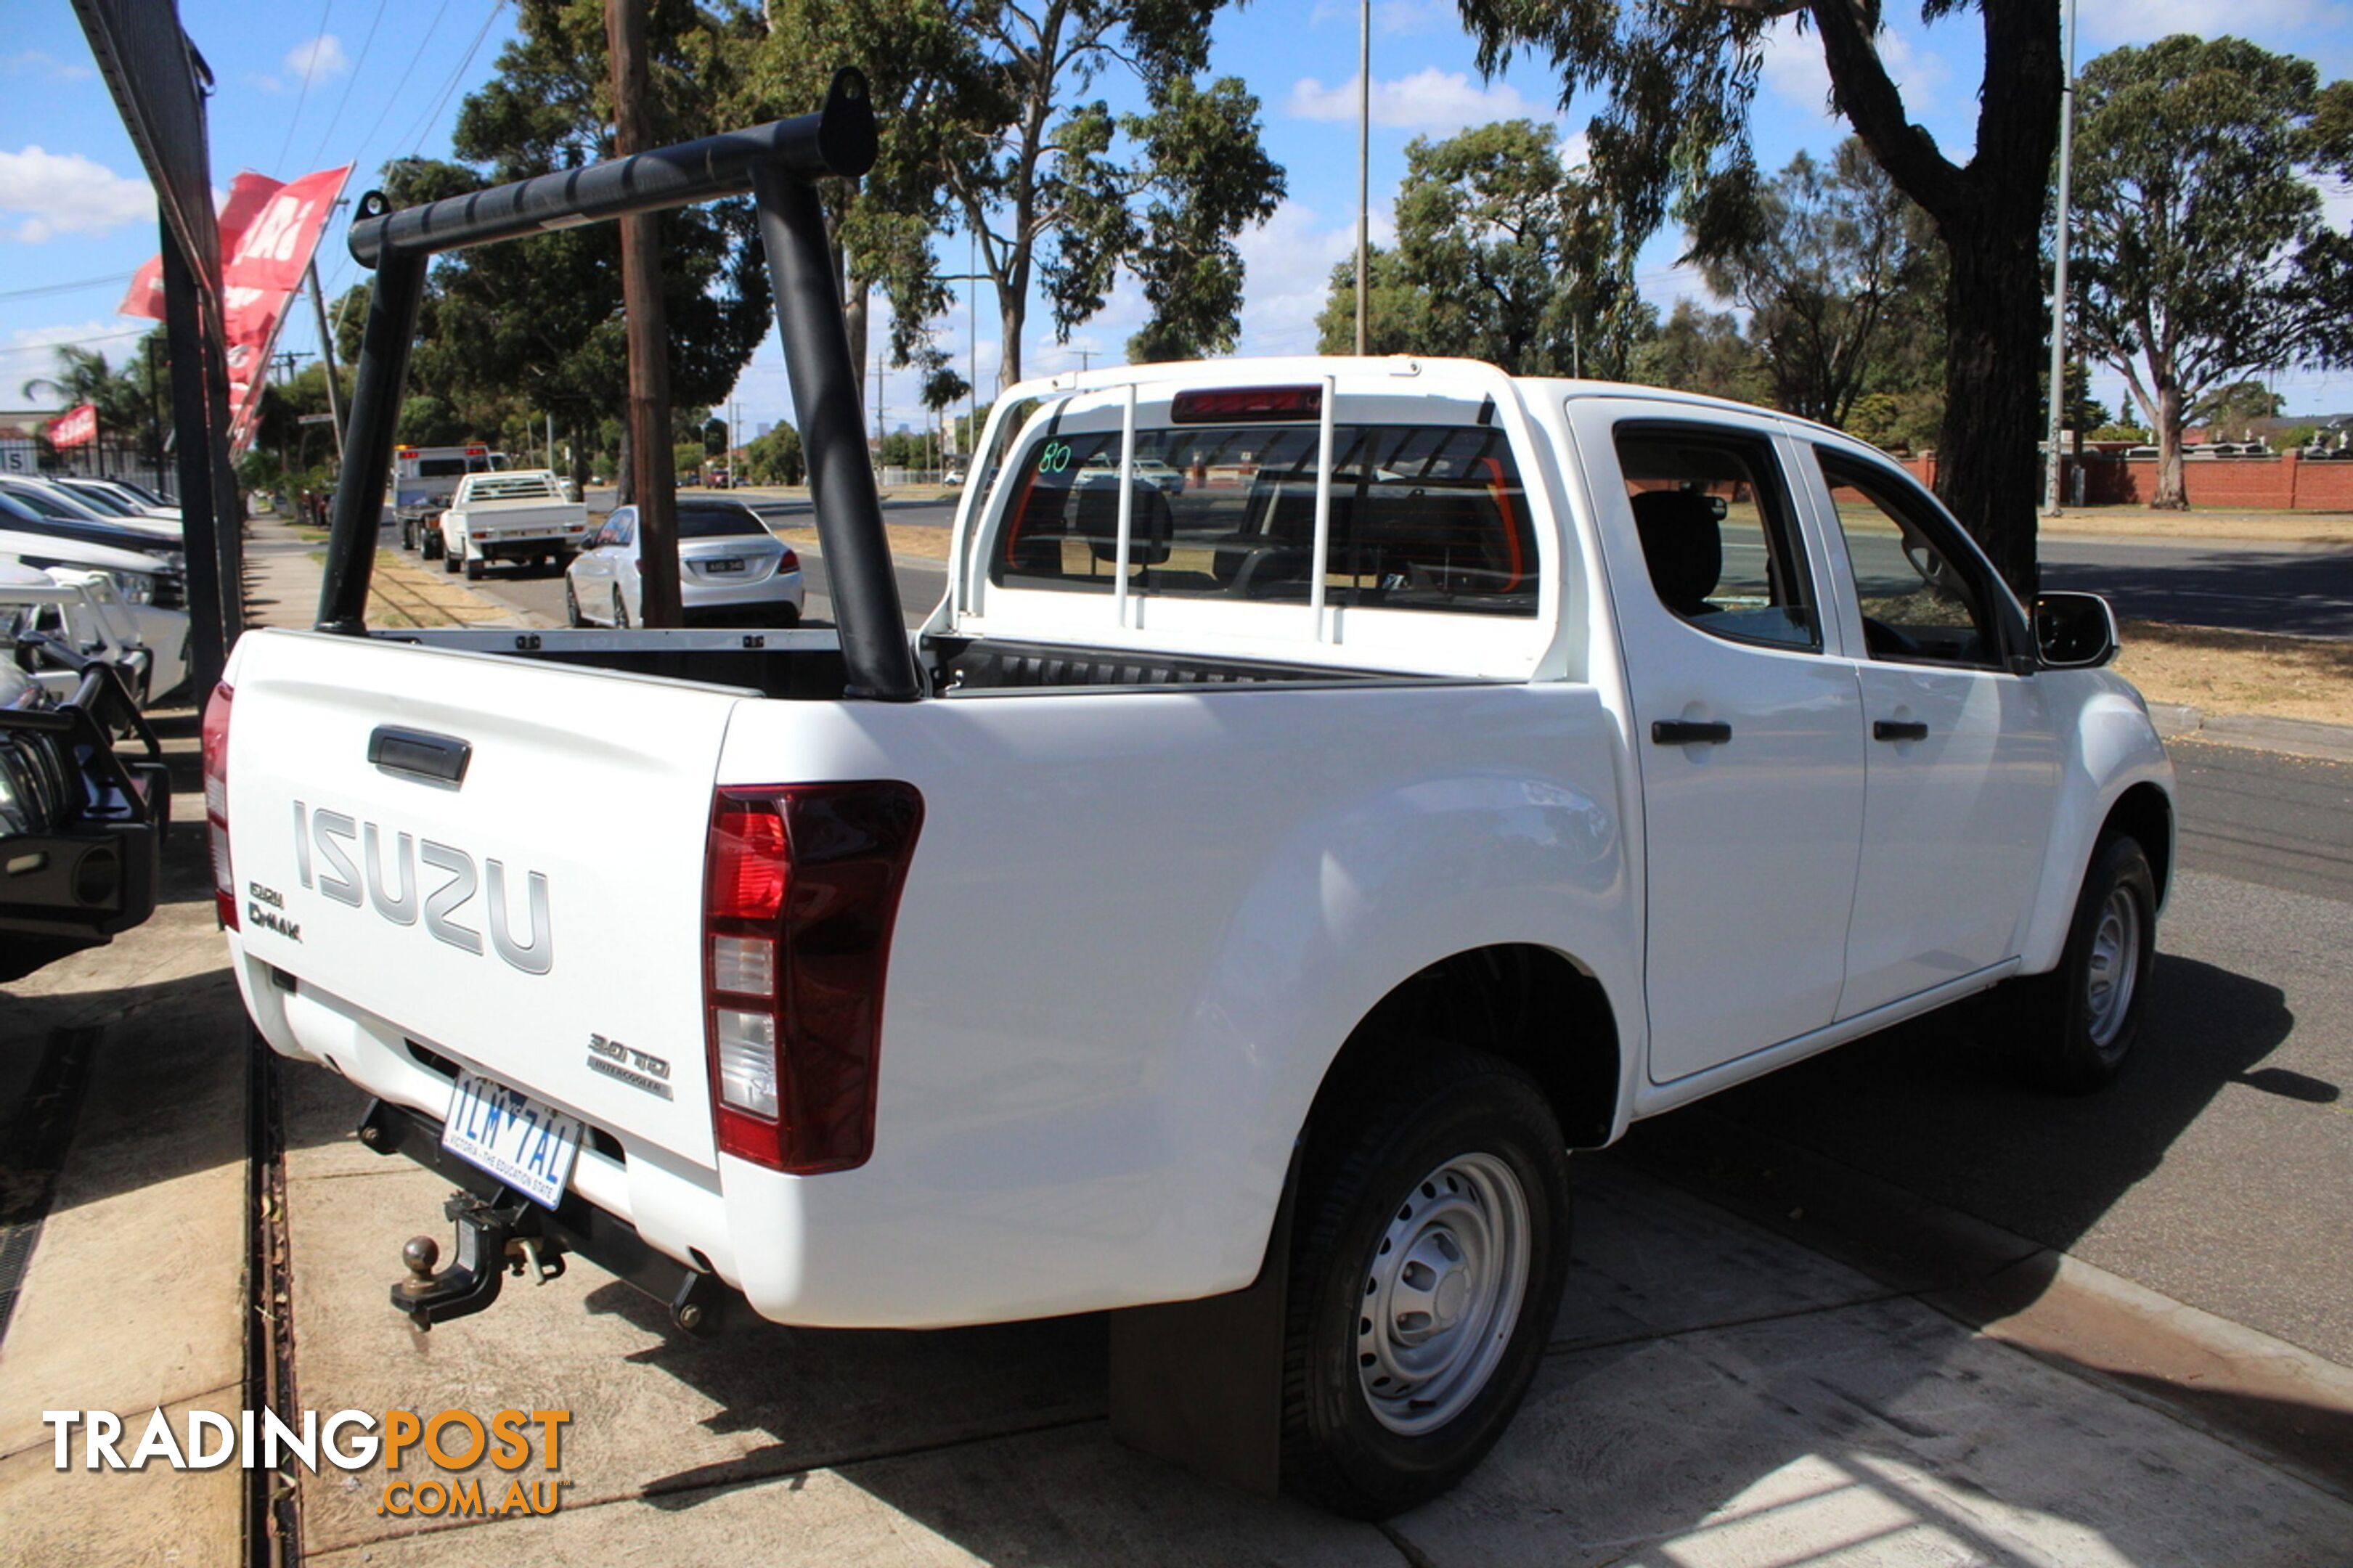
[29, 353]
[318, 59]
[1429, 99]
[1289, 263]
[31, 61]
[1794, 68]
[65, 193]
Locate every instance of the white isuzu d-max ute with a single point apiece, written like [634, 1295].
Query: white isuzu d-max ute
[1278, 874]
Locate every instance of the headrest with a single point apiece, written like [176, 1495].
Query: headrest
[1682, 544]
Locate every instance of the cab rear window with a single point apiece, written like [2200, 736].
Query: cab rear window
[1424, 517]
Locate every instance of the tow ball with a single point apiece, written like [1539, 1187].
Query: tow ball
[496, 1237]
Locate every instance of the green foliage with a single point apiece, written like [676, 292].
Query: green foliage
[981, 136]
[2229, 411]
[1702, 350]
[2133, 433]
[1831, 262]
[510, 331]
[686, 457]
[2204, 254]
[776, 459]
[2295, 437]
[1498, 257]
[1898, 421]
[125, 406]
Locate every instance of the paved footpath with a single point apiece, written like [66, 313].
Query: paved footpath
[1719, 1391]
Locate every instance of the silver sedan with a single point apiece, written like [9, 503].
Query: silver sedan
[731, 571]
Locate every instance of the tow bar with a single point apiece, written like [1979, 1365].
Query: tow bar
[501, 1232]
[496, 1237]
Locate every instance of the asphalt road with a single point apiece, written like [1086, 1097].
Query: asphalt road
[2306, 589]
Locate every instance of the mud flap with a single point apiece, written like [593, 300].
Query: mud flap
[1199, 1383]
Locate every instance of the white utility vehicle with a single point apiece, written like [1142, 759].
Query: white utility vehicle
[1227, 909]
[422, 481]
[525, 514]
[1257, 889]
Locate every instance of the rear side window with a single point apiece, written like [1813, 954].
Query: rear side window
[1424, 517]
[717, 521]
[1718, 532]
[441, 468]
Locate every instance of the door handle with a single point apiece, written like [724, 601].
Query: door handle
[1897, 729]
[1689, 732]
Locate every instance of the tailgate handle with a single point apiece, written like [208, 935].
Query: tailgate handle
[413, 754]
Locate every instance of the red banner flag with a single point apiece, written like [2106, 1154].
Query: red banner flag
[245, 199]
[75, 428]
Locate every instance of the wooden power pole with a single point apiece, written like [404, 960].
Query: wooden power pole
[649, 332]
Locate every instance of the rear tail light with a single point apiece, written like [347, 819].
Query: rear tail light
[217, 802]
[801, 888]
[789, 561]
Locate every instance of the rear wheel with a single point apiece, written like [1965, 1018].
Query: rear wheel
[453, 560]
[620, 612]
[475, 566]
[572, 616]
[1431, 1244]
[2074, 1027]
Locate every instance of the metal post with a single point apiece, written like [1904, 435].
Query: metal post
[1364, 165]
[881, 662]
[2051, 499]
[208, 636]
[327, 353]
[383, 366]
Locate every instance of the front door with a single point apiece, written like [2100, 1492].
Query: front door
[1750, 738]
[1963, 767]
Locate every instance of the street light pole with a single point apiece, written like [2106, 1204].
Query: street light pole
[2051, 499]
[1364, 163]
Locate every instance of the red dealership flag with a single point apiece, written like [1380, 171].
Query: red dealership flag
[75, 428]
[245, 199]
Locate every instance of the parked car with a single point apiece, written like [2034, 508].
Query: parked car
[1230, 921]
[147, 647]
[144, 573]
[731, 569]
[107, 491]
[521, 514]
[47, 500]
[423, 480]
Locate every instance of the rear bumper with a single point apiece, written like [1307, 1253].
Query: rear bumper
[514, 546]
[711, 603]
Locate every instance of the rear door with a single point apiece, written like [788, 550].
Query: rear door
[1750, 734]
[505, 912]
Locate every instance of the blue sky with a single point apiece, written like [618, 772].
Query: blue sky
[304, 85]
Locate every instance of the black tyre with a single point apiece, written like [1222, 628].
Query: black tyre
[2072, 1029]
[1430, 1243]
[475, 567]
[408, 534]
[428, 543]
[620, 613]
[572, 616]
[449, 562]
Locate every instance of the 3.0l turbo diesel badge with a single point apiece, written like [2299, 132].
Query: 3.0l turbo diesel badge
[392, 891]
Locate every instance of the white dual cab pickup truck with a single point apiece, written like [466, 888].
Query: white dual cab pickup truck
[1281, 870]
[520, 515]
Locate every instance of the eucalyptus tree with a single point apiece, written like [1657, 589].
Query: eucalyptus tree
[1833, 259]
[1499, 255]
[2204, 253]
[1676, 80]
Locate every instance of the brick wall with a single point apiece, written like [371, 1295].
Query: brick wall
[2282, 483]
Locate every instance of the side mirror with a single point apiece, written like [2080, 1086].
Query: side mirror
[2074, 631]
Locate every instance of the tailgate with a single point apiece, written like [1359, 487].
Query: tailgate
[551, 897]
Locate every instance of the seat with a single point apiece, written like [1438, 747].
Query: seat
[1151, 526]
[1682, 544]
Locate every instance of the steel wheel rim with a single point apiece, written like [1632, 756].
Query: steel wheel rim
[1442, 1293]
[2112, 971]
